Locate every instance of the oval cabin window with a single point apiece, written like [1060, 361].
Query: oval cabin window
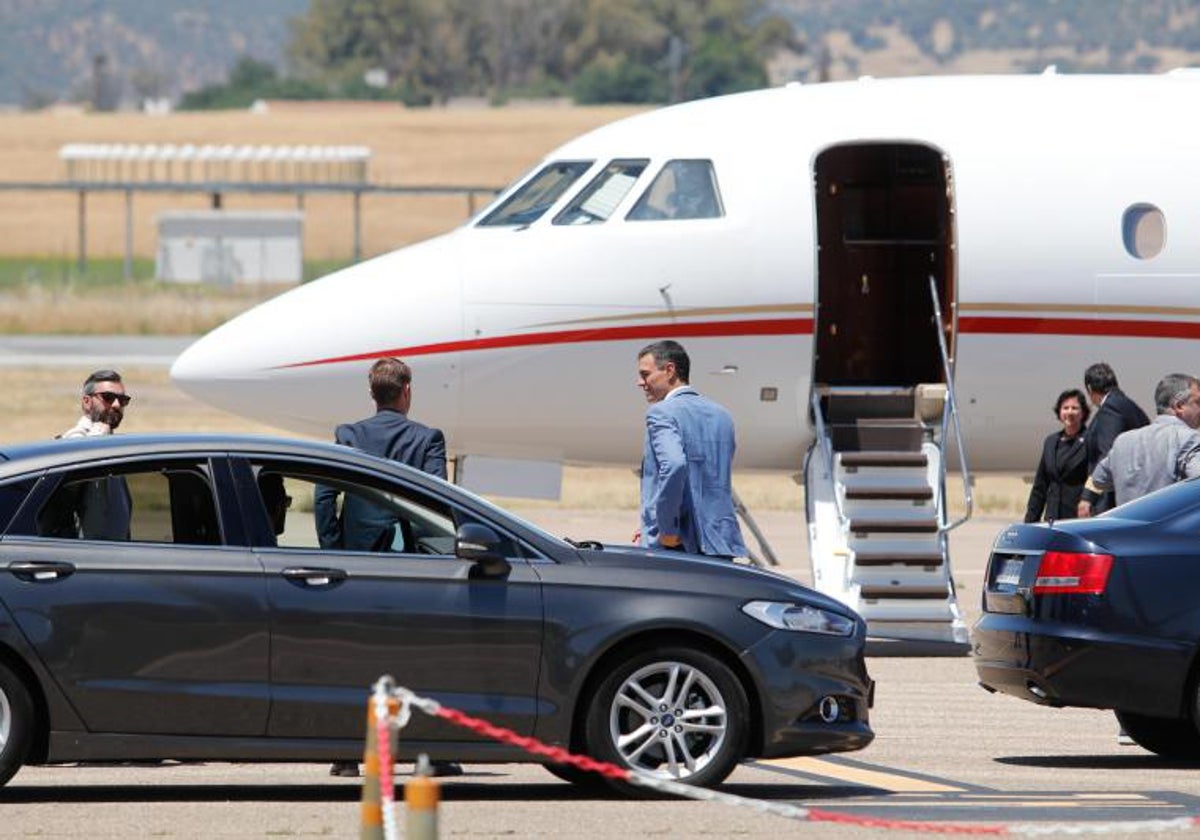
[1144, 230]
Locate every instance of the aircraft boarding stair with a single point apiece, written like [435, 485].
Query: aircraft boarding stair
[875, 497]
[875, 501]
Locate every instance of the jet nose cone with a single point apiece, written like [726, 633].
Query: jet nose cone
[299, 361]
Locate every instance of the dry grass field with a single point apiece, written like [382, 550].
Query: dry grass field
[468, 146]
[137, 308]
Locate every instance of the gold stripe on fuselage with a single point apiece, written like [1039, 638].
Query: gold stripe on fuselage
[691, 312]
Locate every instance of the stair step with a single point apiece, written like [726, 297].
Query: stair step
[883, 591]
[864, 557]
[906, 609]
[883, 458]
[900, 526]
[890, 435]
[843, 406]
[883, 491]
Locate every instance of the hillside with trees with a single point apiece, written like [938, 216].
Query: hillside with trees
[113, 52]
[425, 51]
[226, 53]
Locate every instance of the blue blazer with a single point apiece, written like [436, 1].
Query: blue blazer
[686, 475]
[363, 526]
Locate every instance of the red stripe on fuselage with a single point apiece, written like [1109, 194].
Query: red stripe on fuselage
[705, 329]
[1114, 327]
[970, 324]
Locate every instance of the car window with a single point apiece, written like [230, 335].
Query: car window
[12, 494]
[683, 189]
[597, 201]
[537, 195]
[345, 512]
[155, 503]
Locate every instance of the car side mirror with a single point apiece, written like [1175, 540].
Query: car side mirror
[479, 544]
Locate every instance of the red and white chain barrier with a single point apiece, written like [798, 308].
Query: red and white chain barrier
[385, 722]
[386, 688]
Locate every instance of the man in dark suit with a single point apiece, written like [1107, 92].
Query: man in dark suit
[388, 433]
[363, 526]
[1115, 413]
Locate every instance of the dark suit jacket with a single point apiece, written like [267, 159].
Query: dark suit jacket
[1116, 414]
[363, 526]
[1059, 480]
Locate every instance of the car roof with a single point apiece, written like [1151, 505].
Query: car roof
[21, 458]
[37, 456]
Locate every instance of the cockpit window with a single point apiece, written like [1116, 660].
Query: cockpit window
[537, 195]
[597, 201]
[684, 189]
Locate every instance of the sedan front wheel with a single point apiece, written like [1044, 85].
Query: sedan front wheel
[671, 713]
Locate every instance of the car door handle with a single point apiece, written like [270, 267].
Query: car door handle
[314, 577]
[36, 572]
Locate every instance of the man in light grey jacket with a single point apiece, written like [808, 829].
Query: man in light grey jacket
[1152, 457]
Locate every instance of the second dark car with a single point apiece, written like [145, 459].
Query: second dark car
[1103, 613]
[168, 597]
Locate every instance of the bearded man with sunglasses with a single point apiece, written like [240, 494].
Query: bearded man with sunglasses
[104, 400]
[99, 509]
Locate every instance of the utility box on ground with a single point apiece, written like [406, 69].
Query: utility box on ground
[230, 246]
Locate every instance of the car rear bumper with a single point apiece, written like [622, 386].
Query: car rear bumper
[1057, 664]
[794, 672]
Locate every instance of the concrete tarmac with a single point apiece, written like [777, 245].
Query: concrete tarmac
[946, 752]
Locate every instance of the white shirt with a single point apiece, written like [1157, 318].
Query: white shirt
[87, 428]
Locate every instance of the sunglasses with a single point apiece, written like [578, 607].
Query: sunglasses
[109, 397]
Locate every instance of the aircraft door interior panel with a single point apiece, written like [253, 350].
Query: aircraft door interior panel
[883, 228]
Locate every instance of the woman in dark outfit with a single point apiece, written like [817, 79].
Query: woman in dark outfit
[1062, 470]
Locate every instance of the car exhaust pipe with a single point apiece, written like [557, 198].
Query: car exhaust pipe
[829, 709]
[1036, 690]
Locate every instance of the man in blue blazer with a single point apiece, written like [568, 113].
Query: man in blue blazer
[687, 491]
[387, 433]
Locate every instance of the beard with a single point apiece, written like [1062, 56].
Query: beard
[112, 416]
[109, 415]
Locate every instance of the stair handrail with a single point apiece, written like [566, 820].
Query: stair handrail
[826, 450]
[950, 412]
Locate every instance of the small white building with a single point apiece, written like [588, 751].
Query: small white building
[230, 246]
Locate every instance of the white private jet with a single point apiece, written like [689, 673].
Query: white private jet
[870, 272]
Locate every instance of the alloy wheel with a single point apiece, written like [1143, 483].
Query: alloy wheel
[668, 719]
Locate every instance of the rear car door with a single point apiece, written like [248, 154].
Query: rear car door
[408, 608]
[133, 584]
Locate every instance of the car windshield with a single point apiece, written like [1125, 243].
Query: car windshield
[504, 514]
[536, 195]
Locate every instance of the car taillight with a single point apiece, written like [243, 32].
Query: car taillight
[1074, 573]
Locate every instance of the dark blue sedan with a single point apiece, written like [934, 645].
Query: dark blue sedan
[1103, 613]
[168, 597]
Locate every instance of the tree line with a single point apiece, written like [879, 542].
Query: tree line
[428, 51]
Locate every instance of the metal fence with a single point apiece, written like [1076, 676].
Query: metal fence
[84, 183]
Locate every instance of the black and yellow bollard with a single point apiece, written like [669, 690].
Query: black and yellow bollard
[421, 797]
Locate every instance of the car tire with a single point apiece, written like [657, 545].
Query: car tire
[671, 713]
[16, 723]
[1175, 738]
[580, 778]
